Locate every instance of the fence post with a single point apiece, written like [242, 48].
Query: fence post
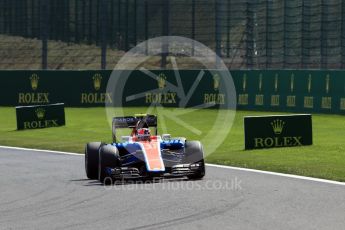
[3, 13]
[44, 12]
[228, 18]
[98, 21]
[3, 16]
[193, 26]
[127, 26]
[25, 20]
[104, 28]
[62, 21]
[10, 17]
[324, 34]
[303, 32]
[285, 34]
[135, 23]
[90, 23]
[342, 36]
[67, 22]
[83, 12]
[268, 34]
[15, 15]
[165, 30]
[249, 35]
[111, 38]
[146, 28]
[218, 35]
[76, 21]
[32, 18]
[52, 32]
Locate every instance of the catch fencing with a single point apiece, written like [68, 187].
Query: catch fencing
[94, 34]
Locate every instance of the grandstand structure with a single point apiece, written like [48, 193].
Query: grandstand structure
[247, 34]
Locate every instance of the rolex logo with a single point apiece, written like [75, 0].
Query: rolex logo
[292, 82]
[276, 83]
[40, 113]
[309, 83]
[97, 81]
[161, 81]
[34, 81]
[216, 83]
[328, 78]
[278, 126]
[244, 82]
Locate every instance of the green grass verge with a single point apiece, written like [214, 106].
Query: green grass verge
[325, 159]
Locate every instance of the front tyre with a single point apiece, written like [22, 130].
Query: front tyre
[91, 159]
[194, 154]
[108, 158]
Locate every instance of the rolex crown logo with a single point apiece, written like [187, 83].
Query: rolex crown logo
[161, 81]
[292, 82]
[328, 78]
[276, 83]
[97, 81]
[244, 83]
[40, 113]
[34, 81]
[260, 82]
[278, 126]
[216, 82]
[309, 83]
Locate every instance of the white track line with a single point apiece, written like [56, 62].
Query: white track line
[210, 165]
[41, 150]
[278, 174]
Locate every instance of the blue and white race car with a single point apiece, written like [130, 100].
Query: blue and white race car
[143, 155]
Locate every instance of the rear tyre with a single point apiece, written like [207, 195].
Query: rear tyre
[195, 155]
[91, 159]
[108, 158]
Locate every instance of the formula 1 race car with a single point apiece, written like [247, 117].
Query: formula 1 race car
[142, 155]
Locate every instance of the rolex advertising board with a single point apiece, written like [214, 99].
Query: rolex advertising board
[186, 88]
[93, 93]
[302, 91]
[74, 88]
[40, 116]
[24, 88]
[311, 91]
[34, 95]
[277, 131]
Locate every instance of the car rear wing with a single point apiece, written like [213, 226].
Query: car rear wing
[131, 122]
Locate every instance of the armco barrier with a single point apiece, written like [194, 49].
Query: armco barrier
[267, 90]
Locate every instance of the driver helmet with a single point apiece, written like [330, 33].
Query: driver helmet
[143, 132]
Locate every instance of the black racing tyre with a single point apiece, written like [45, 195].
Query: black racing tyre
[194, 153]
[108, 158]
[91, 159]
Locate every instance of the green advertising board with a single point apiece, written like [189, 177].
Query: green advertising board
[291, 91]
[74, 88]
[40, 116]
[302, 91]
[204, 89]
[278, 131]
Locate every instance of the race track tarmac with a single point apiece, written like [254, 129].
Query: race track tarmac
[44, 190]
